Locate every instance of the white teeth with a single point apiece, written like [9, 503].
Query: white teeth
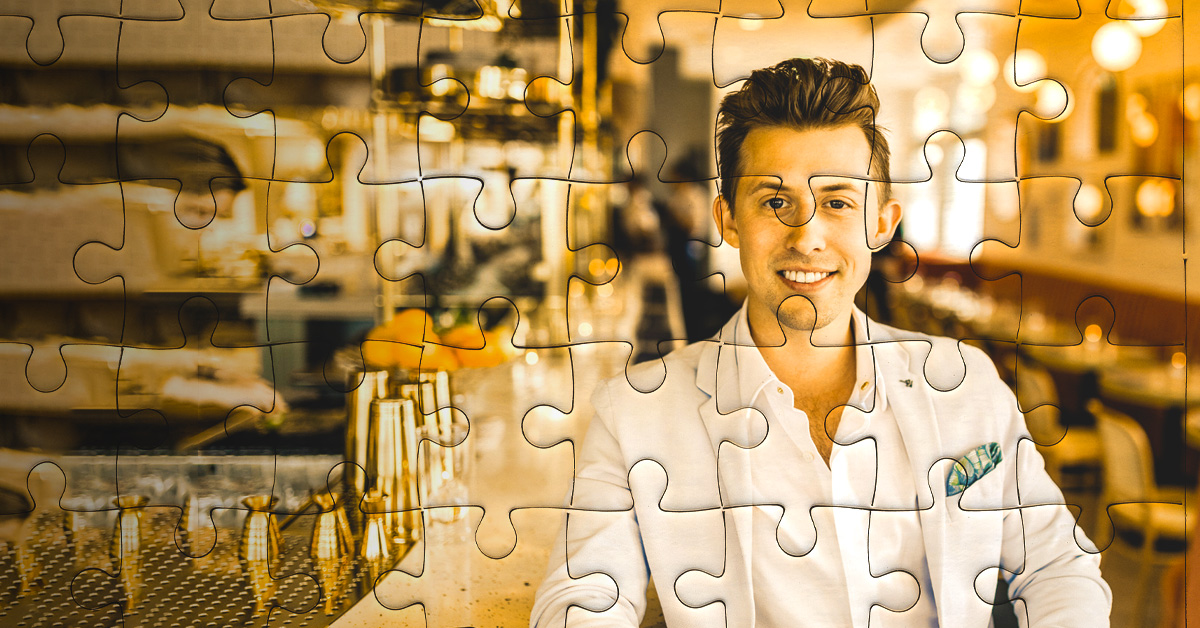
[799, 277]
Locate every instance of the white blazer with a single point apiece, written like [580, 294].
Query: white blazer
[662, 484]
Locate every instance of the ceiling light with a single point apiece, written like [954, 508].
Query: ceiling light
[1023, 68]
[1147, 9]
[1116, 47]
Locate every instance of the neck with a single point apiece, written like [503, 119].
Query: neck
[802, 357]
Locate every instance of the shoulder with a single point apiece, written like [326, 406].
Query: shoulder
[966, 397]
[654, 404]
[944, 362]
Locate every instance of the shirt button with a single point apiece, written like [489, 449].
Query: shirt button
[864, 385]
[808, 457]
[779, 390]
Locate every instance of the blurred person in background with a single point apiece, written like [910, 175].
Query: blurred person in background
[687, 228]
[209, 179]
[637, 228]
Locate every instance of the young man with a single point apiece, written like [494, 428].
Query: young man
[799, 469]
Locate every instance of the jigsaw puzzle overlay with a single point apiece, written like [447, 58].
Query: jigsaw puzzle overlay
[422, 313]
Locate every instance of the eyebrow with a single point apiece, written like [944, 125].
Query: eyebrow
[774, 185]
[842, 186]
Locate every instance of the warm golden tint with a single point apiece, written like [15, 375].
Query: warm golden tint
[599, 312]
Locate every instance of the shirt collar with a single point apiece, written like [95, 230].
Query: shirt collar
[754, 374]
[752, 371]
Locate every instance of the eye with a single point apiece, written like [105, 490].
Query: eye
[775, 203]
[838, 203]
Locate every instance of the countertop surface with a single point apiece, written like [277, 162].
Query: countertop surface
[526, 419]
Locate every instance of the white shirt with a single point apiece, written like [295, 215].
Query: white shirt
[814, 570]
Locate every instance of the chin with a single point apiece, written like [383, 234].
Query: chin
[804, 323]
[801, 316]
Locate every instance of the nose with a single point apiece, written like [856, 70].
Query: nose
[807, 235]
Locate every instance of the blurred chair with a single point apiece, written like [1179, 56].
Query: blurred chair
[1148, 520]
[1191, 428]
[1076, 447]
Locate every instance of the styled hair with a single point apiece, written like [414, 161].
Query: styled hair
[801, 94]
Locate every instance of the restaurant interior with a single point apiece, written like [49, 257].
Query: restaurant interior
[302, 301]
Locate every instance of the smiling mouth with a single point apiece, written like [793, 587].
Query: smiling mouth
[804, 278]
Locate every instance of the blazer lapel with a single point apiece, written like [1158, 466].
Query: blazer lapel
[724, 420]
[917, 418]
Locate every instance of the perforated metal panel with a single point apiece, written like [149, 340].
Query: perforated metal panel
[61, 578]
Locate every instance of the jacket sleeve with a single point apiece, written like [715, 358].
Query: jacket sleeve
[1049, 562]
[597, 574]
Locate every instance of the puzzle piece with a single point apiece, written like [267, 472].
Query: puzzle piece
[1151, 134]
[957, 170]
[943, 37]
[344, 39]
[739, 34]
[447, 578]
[47, 35]
[43, 342]
[601, 523]
[539, 439]
[891, 592]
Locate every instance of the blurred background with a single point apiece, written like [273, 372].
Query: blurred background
[218, 219]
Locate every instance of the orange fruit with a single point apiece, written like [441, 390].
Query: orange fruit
[428, 357]
[496, 350]
[377, 353]
[464, 337]
[399, 341]
[412, 326]
[438, 358]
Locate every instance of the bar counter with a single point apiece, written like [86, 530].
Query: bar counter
[522, 459]
[186, 564]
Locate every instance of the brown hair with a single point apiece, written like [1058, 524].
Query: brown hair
[804, 94]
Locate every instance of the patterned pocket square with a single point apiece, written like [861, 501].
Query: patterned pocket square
[968, 469]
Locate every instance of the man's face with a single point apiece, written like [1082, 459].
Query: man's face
[805, 223]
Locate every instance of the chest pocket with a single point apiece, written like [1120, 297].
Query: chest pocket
[977, 478]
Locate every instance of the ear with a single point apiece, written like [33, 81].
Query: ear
[880, 233]
[723, 216]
